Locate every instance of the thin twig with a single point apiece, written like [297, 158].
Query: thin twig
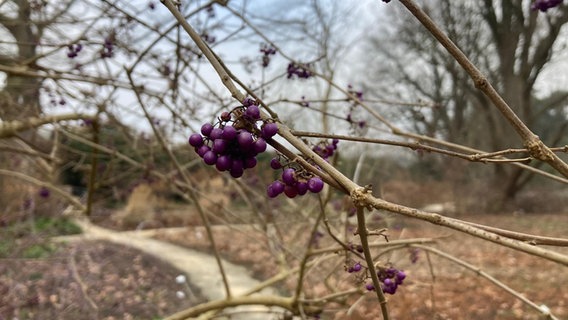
[362, 228]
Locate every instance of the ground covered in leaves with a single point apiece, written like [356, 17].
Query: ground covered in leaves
[435, 288]
[83, 280]
[98, 280]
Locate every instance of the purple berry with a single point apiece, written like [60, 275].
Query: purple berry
[290, 191]
[357, 267]
[236, 173]
[269, 130]
[315, 184]
[196, 140]
[237, 165]
[206, 129]
[220, 146]
[201, 151]
[249, 163]
[400, 276]
[370, 287]
[275, 188]
[253, 112]
[44, 192]
[245, 139]
[210, 158]
[216, 133]
[289, 176]
[225, 116]
[275, 164]
[259, 145]
[302, 187]
[229, 133]
[224, 163]
[248, 102]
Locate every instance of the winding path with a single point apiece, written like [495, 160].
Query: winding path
[201, 268]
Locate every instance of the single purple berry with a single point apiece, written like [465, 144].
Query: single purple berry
[357, 267]
[220, 146]
[44, 192]
[253, 112]
[275, 188]
[290, 191]
[289, 176]
[275, 164]
[249, 163]
[210, 158]
[370, 287]
[248, 102]
[236, 173]
[315, 184]
[400, 276]
[269, 130]
[201, 151]
[216, 133]
[237, 165]
[245, 139]
[229, 133]
[259, 145]
[278, 186]
[302, 187]
[225, 116]
[196, 140]
[224, 163]
[206, 129]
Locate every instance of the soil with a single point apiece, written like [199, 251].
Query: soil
[99, 280]
[434, 289]
[90, 280]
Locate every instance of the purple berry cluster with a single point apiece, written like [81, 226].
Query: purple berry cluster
[207, 37]
[108, 47]
[73, 50]
[266, 51]
[234, 142]
[358, 94]
[326, 150]
[391, 278]
[355, 268]
[293, 182]
[44, 192]
[299, 70]
[544, 5]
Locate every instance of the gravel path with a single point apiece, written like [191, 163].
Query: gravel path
[201, 268]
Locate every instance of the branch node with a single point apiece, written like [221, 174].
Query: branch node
[538, 150]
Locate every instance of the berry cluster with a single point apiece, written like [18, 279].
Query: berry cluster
[293, 182]
[234, 143]
[267, 51]
[326, 150]
[44, 192]
[391, 278]
[544, 5]
[299, 70]
[108, 47]
[74, 50]
[207, 37]
[355, 268]
[358, 94]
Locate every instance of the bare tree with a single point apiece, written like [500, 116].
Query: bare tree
[510, 43]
